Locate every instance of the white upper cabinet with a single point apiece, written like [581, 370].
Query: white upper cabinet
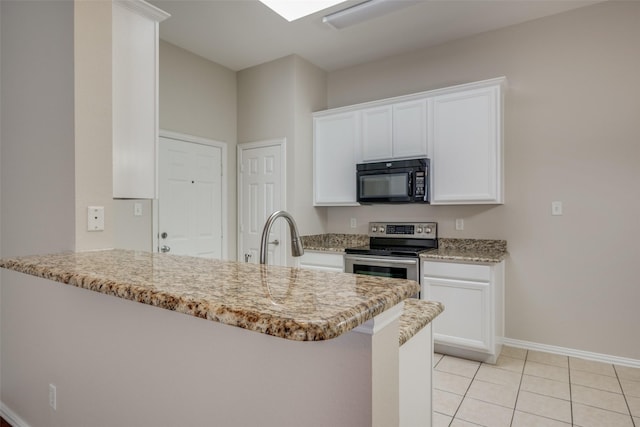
[465, 139]
[395, 131]
[336, 148]
[459, 128]
[377, 133]
[410, 129]
[135, 98]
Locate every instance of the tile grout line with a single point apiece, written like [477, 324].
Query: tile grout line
[515, 404]
[570, 370]
[540, 394]
[570, 389]
[465, 394]
[624, 395]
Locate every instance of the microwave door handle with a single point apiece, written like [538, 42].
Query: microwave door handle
[410, 184]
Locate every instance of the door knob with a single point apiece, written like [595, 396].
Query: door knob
[164, 235]
[275, 242]
[164, 248]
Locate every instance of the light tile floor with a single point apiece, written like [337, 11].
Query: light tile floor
[532, 388]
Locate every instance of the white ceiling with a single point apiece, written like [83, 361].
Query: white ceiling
[242, 33]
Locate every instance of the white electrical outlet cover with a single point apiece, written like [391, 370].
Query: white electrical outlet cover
[556, 208]
[95, 218]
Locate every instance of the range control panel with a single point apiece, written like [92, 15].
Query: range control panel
[416, 230]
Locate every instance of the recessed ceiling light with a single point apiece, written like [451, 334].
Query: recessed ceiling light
[295, 9]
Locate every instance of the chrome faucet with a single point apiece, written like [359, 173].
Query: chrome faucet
[296, 242]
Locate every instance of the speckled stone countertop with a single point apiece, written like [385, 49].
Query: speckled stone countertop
[463, 250]
[296, 304]
[332, 242]
[416, 315]
[467, 250]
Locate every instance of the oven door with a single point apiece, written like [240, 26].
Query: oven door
[392, 267]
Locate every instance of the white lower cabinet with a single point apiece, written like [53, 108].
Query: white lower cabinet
[322, 261]
[472, 324]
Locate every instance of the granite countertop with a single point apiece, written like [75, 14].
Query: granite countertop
[333, 242]
[416, 315]
[296, 304]
[467, 250]
[462, 250]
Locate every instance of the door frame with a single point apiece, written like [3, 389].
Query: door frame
[225, 196]
[282, 144]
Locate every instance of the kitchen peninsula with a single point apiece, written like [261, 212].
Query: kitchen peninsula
[232, 343]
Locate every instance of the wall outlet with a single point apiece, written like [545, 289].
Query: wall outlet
[556, 208]
[459, 224]
[354, 223]
[52, 397]
[95, 218]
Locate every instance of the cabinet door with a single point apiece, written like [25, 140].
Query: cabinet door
[410, 129]
[377, 133]
[466, 143]
[135, 102]
[335, 154]
[466, 321]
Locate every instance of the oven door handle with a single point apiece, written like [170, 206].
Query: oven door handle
[382, 260]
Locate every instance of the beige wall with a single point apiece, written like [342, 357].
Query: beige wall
[37, 128]
[93, 124]
[310, 95]
[571, 134]
[266, 101]
[275, 100]
[198, 97]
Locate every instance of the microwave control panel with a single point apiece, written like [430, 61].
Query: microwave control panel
[404, 229]
[420, 184]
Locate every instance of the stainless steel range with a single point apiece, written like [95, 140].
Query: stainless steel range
[393, 249]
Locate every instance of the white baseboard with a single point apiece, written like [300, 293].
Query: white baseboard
[598, 357]
[11, 417]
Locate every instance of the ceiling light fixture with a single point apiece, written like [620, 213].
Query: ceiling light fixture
[364, 12]
[296, 9]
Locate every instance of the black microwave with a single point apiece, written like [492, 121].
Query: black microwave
[399, 181]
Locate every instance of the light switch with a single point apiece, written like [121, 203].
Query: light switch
[95, 218]
[137, 209]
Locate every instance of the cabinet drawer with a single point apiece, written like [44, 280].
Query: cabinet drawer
[322, 261]
[457, 271]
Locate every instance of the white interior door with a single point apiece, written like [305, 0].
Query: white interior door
[261, 185]
[191, 203]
